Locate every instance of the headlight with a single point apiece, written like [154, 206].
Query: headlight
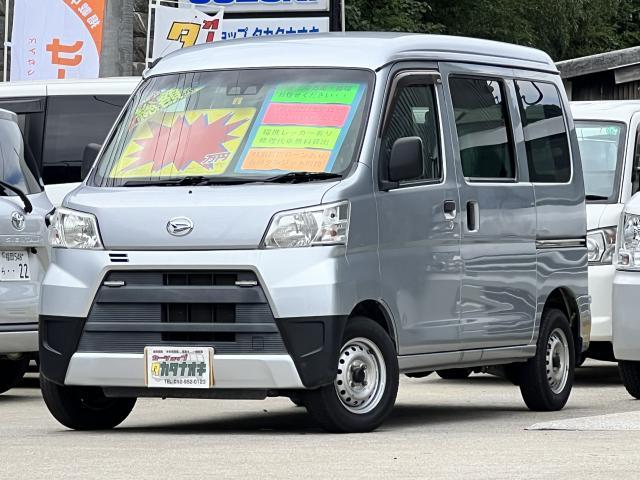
[321, 225]
[71, 229]
[629, 243]
[601, 245]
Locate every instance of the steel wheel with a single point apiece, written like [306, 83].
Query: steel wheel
[361, 377]
[557, 360]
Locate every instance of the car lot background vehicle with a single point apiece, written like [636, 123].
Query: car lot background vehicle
[59, 118]
[626, 288]
[607, 133]
[449, 232]
[23, 254]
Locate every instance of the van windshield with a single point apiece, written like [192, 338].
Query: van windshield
[601, 151]
[238, 125]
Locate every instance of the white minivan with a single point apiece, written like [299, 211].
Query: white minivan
[607, 133]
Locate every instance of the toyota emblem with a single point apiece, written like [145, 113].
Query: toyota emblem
[180, 226]
[18, 221]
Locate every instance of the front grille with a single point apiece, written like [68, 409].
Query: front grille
[196, 308]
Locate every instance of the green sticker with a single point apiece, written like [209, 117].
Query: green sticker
[296, 137]
[344, 93]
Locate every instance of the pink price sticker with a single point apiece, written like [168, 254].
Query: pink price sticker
[304, 114]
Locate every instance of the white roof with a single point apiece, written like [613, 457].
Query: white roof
[98, 86]
[612, 110]
[360, 50]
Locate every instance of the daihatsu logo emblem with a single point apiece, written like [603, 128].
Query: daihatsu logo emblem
[180, 226]
[17, 220]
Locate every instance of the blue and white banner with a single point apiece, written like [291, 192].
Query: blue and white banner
[262, 5]
[265, 27]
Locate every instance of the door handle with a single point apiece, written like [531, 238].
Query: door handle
[473, 216]
[450, 210]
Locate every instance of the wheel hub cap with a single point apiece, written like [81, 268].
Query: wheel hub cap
[361, 375]
[557, 361]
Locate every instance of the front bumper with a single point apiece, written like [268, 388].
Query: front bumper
[19, 338]
[626, 316]
[600, 289]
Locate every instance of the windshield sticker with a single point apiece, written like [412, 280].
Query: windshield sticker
[162, 101]
[301, 128]
[339, 93]
[198, 142]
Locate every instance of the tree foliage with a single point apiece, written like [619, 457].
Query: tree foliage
[563, 28]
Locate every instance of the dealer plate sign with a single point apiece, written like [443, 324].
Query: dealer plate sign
[178, 367]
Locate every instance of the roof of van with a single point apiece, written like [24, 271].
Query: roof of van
[352, 49]
[97, 86]
[613, 110]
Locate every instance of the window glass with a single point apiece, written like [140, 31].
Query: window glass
[545, 134]
[484, 138]
[248, 124]
[601, 152]
[414, 115]
[13, 168]
[73, 121]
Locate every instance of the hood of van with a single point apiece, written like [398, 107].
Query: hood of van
[223, 217]
[603, 215]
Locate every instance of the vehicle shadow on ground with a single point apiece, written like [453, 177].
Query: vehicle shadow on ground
[30, 382]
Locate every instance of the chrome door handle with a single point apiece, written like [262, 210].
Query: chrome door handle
[450, 212]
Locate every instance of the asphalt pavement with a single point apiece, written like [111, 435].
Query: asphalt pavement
[474, 429]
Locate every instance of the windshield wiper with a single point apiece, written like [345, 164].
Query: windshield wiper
[596, 197]
[299, 177]
[28, 207]
[190, 180]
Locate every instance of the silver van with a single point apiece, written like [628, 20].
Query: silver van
[310, 218]
[24, 254]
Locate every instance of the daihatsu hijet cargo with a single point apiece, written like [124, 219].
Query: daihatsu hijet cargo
[607, 134]
[294, 217]
[23, 254]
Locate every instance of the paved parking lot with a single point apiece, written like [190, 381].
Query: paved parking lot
[478, 428]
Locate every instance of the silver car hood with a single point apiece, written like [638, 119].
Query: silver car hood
[224, 217]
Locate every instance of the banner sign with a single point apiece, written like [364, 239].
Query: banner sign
[263, 5]
[301, 127]
[176, 28]
[261, 27]
[60, 40]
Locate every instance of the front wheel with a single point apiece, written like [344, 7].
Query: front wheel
[546, 379]
[12, 372]
[366, 384]
[630, 373]
[84, 408]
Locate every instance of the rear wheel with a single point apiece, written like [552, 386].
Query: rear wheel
[12, 372]
[366, 384]
[84, 408]
[630, 373]
[454, 373]
[546, 379]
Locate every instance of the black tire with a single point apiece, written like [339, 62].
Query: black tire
[12, 372]
[297, 399]
[326, 404]
[84, 408]
[454, 373]
[535, 381]
[630, 373]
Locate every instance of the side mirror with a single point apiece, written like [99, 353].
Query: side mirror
[406, 160]
[88, 158]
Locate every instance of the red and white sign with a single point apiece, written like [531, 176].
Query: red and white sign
[56, 39]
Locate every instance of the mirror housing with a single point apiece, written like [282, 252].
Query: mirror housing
[89, 156]
[406, 160]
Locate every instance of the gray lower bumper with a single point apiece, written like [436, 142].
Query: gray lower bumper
[230, 371]
[19, 342]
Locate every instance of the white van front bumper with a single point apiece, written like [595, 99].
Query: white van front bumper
[626, 315]
[24, 340]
